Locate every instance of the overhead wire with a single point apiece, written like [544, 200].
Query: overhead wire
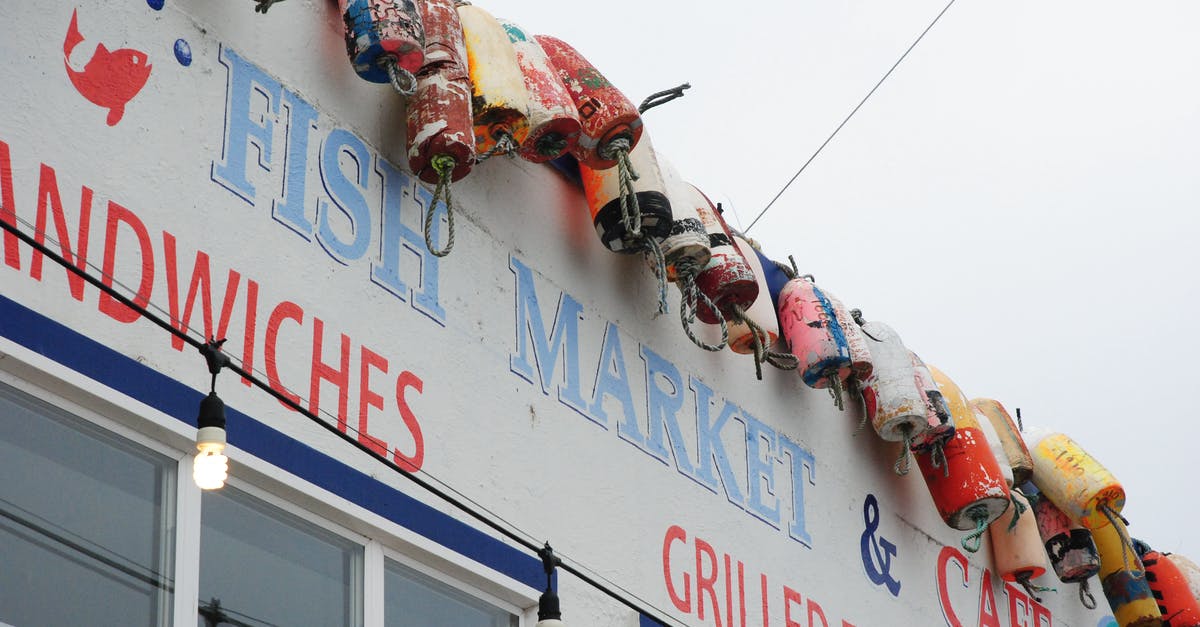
[509, 531]
[847, 119]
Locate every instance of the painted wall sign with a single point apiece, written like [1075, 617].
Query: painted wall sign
[254, 189]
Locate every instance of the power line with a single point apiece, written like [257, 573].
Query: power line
[852, 112]
[507, 529]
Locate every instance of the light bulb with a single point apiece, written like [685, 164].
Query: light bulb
[211, 467]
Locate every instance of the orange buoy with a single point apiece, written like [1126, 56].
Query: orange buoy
[440, 140]
[610, 121]
[891, 399]
[1017, 553]
[500, 101]
[1074, 480]
[687, 242]
[553, 119]
[1010, 438]
[1123, 576]
[963, 478]
[761, 312]
[385, 40]
[1169, 585]
[940, 426]
[623, 230]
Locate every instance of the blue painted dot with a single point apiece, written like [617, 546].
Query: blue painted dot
[183, 52]
[157, 5]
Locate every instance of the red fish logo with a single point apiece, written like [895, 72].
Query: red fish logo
[110, 79]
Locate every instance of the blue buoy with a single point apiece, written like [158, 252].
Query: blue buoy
[157, 5]
[183, 52]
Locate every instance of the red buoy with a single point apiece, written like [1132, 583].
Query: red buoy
[553, 120]
[727, 280]
[1170, 587]
[605, 113]
[439, 114]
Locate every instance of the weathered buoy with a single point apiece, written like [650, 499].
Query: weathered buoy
[1017, 553]
[1070, 547]
[1122, 575]
[1010, 438]
[994, 445]
[499, 100]
[1073, 479]
[814, 334]
[962, 475]
[940, 426]
[553, 119]
[440, 138]
[892, 401]
[727, 281]
[1169, 586]
[385, 40]
[687, 242]
[611, 122]
[619, 228]
[761, 312]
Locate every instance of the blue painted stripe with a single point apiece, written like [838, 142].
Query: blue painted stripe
[132, 378]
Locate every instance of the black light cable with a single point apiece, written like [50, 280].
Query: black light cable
[852, 112]
[452, 500]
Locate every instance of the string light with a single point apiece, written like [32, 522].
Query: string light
[549, 614]
[211, 467]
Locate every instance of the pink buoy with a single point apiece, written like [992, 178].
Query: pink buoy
[813, 333]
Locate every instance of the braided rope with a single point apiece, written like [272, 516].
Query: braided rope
[444, 166]
[1031, 588]
[762, 349]
[659, 263]
[973, 541]
[403, 81]
[901, 466]
[686, 270]
[938, 457]
[1018, 509]
[505, 145]
[631, 213]
[1126, 544]
[835, 390]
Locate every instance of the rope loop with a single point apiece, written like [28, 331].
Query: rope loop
[686, 270]
[444, 166]
[1126, 543]
[762, 346]
[505, 145]
[901, 466]
[658, 263]
[937, 455]
[1031, 588]
[836, 391]
[1018, 509]
[551, 145]
[1085, 595]
[631, 213]
[403, 81]
[974, 540]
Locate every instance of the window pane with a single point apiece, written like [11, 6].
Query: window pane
[86, 522]
[417, 600]
[263, 566]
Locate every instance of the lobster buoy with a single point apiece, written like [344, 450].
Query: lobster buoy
[761, 313]
[1070, 547]
[440, 138]
[611, 122]
[553, 119]
[814, 335]
[1017, 553]
[500, 101]
[777, 275]
[940, 426]
[1010, 438]
[687, 242]
[385, 40]
[1074, 480]
[962, 475]
[627, 233]
[1190, 571]
[893, 403]
[1123, 576]
[727, 281]
[1169, 585]
[861, 364]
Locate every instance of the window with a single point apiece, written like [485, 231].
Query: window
[86, 522]
[417, 600]
[260, 565]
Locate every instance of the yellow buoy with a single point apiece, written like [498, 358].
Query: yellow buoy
[1074, 480]
[498, 95]
[1124, 578]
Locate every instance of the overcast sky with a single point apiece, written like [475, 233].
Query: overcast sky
[1019, 200]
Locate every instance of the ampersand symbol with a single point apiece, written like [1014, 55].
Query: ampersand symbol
[877, 553]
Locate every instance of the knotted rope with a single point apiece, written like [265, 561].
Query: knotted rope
[762, 349]
[1018, 509]
[1126, 543]
[937, 455]
[444, 166]
[972, 542]
[658, 262]
[1085, 595]
[686, 270]
[402, 80]
[505, 145]
[901, 466]
[1031, 588]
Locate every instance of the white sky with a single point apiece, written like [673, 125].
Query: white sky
[1019, 200]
